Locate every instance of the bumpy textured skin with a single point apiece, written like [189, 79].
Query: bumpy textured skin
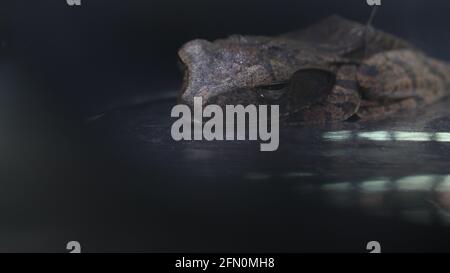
[373, 73]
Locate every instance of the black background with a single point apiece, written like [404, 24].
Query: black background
[108, 50]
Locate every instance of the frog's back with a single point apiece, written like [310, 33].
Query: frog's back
[348, 38]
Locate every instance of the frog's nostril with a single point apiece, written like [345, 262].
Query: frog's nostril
[196, 49]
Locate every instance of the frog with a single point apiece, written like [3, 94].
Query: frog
[335, 70]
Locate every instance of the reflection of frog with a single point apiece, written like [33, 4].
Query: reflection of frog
[331, 71]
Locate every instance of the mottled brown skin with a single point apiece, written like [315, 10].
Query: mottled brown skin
[331, 71]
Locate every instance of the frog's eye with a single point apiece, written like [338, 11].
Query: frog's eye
[310, 86]
[272, 92]
[275, 86]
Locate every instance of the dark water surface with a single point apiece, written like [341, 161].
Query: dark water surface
[327, 188]
[119, 182]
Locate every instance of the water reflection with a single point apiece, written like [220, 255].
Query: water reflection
[416, 183]
[345, 186]
[374, 186]
[288, 175]
[376, 136]
[422, 199]
[297, 174]
[387, 136]
[337, 136]
[256, 176]
[442, 137]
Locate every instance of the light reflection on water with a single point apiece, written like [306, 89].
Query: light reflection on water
[421, 198]
[374, 186]
[387, 136]
[297, 174]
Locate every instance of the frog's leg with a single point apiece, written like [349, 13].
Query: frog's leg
[342, 102]
[398, 80]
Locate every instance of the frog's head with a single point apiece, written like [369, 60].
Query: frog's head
[254, 70]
